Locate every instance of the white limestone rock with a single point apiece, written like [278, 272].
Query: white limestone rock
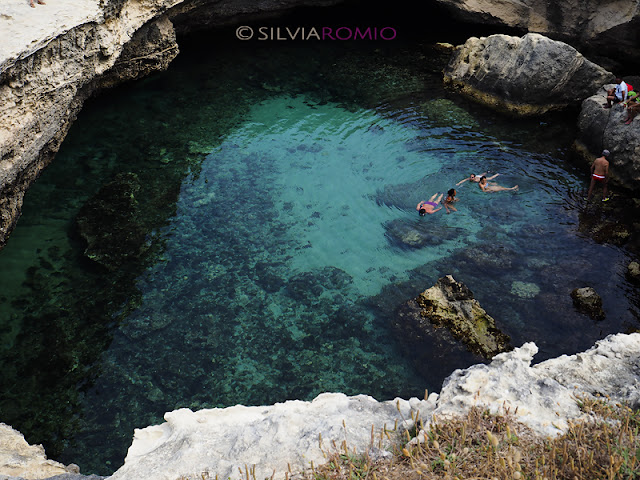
[221, 441]
[543, 396]
[19, 459]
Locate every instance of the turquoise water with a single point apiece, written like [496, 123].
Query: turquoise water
[279, 236]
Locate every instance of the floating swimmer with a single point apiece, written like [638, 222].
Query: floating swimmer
[430, 206]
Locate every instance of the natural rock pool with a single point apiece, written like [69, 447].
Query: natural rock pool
[253, 228]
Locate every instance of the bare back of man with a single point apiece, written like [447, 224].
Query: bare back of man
[600, 174]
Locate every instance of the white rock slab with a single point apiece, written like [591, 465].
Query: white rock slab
[543, 396]
[23, 29]
[19, 459]
[224, 440]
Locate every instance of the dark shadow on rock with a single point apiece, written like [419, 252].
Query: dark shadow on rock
[110, 225]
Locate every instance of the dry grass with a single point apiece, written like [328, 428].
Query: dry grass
[488, 446]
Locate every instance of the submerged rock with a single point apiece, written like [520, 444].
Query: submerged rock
[588, 301]
[109, 223]
[451, 304]
[417, 233]
[525, 76]
[633, 271]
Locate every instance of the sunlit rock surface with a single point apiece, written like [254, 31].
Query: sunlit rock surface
[19, 459]
[269, 438]
[530, 75]
[543, 396]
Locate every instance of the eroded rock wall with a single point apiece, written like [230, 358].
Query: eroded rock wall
[84, 46]
[606, 30]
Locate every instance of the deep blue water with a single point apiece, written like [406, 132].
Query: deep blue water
[275, 193]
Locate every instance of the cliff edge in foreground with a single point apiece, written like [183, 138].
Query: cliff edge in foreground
[269, 440]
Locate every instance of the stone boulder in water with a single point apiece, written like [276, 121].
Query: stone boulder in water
[530, 75]
[587, 300]
[450, 304]
[418, 233]
[109, 223]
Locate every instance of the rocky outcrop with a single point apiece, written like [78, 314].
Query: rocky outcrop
[543, 396]
[269, 440]
[600, 28]
[604, 128]
[523, 76]
[450, 305]
[18, 458]
[588, 301]
[264, 442]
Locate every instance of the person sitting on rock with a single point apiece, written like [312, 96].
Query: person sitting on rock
[599, 174]
[632, 106]
[492, 187]
[450, 200]
[33, 5]
[430, 206]
[617, 94]
[476, 178]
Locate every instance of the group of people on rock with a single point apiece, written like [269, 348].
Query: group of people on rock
[626, 97]
[431, 206]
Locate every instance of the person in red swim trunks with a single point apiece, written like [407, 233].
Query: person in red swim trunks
[599, 174]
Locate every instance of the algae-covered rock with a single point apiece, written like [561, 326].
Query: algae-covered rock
[588, 301]
[109, 223]
[633, 271]
[524, 289]
[450, 304]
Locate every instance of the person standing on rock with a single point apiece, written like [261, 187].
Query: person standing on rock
[33, 3]
[599, 174]
[618, 94]
[430, 206]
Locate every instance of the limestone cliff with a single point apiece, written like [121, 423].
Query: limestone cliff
[269, 440]
[52, 58]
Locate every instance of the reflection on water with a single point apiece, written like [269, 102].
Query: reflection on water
[281, 236]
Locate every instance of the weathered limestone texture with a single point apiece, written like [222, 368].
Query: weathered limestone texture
[525, 76]
[604, 128]
[43, 86]
[545, 394]
[267, 439]
[608, 29]
[223, 440]
[18, 458]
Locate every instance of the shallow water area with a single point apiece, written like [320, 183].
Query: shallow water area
[281, 234]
